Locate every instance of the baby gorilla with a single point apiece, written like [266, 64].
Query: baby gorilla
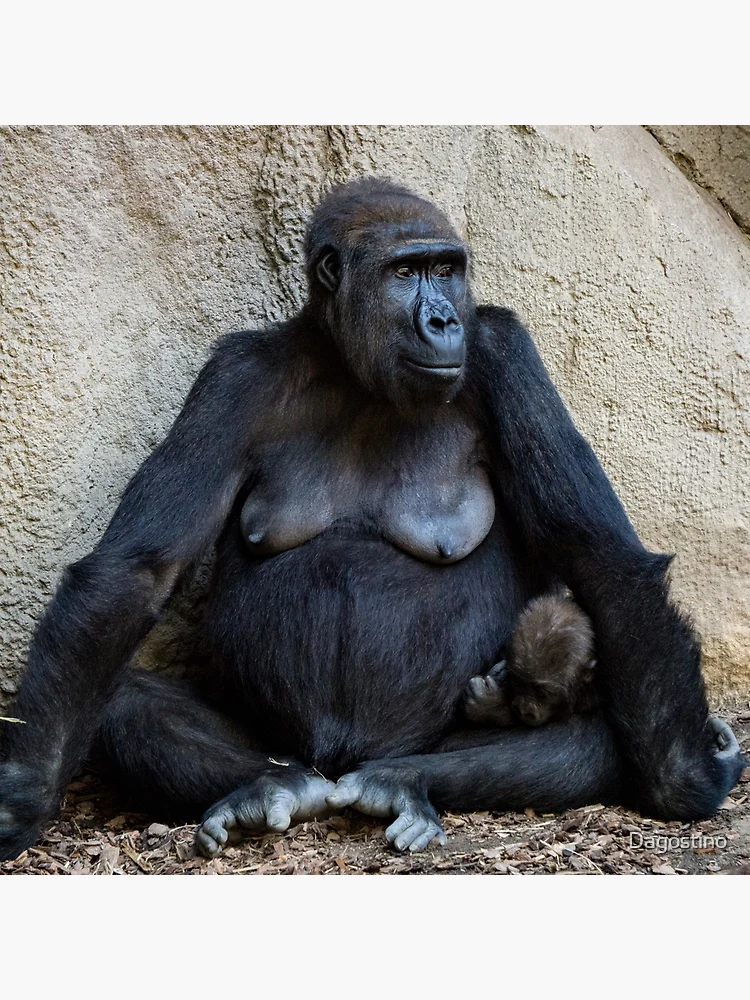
[548, 673]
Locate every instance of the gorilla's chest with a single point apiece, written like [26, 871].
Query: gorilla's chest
[421, 484]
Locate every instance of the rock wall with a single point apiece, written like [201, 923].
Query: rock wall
[125, 251]
[716, 158]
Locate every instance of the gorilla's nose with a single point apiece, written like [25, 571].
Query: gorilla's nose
[438, 325]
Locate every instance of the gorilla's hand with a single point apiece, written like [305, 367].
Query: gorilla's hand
[728, 752]
[726, 742]
[25, 804]
[486, 700]
[385, 790]
[271, 802]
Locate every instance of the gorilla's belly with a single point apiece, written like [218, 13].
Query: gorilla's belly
[350, 649]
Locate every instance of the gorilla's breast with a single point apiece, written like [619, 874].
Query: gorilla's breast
[420, 483]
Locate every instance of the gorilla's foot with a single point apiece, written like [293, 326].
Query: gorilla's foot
[382, 790]
[268, 803]
[486, 699]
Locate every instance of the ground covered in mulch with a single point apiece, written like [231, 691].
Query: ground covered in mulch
[93, 838]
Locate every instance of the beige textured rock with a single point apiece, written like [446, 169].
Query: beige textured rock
[124, 252]
[715, 157]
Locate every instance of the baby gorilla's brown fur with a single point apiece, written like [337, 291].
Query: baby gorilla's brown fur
[548, 673]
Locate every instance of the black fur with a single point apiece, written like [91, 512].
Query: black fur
[348, 646]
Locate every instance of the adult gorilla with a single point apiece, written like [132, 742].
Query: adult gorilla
[387, 478]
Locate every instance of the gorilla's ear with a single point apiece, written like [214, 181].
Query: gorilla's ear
[328, 269]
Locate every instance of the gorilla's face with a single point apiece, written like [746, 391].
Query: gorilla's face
[538, 700]
[536, 704]
[424, 288]
[400, 309]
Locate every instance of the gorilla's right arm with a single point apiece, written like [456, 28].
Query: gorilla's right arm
[171, 511]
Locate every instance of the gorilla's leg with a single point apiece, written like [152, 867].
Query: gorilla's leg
[555, 767]
[166, 746]
[550, 768]
[559, 766]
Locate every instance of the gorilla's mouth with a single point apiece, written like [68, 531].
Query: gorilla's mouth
[436, 371]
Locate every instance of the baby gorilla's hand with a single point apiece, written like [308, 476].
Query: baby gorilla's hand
[271, 802]
[385, 790]
[486, 701]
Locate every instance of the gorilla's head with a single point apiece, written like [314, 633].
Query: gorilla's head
[388, 279]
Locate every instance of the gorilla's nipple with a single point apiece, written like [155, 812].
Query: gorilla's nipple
[446, 548]
[254, 515]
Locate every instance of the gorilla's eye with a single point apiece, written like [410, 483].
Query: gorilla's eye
[404, 272]
[446, 271]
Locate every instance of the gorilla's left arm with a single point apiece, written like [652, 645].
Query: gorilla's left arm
[570, 517]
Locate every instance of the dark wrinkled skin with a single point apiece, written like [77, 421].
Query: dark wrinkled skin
[388, 478]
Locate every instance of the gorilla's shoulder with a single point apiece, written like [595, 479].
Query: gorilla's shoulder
[251, 346]
[500, 329]
[496, 315]
[243, 342]
[498, 320]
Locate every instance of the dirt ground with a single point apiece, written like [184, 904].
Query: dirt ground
[92, 837]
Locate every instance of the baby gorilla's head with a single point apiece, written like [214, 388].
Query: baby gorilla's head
[550, 662]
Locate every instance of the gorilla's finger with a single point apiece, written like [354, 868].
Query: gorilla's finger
[210, 839]
[499, 672]
[411, 833]
[431, 833]
[348, 790]
[401, 823]
[218, 827]
[725, 739]
[279, 814]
